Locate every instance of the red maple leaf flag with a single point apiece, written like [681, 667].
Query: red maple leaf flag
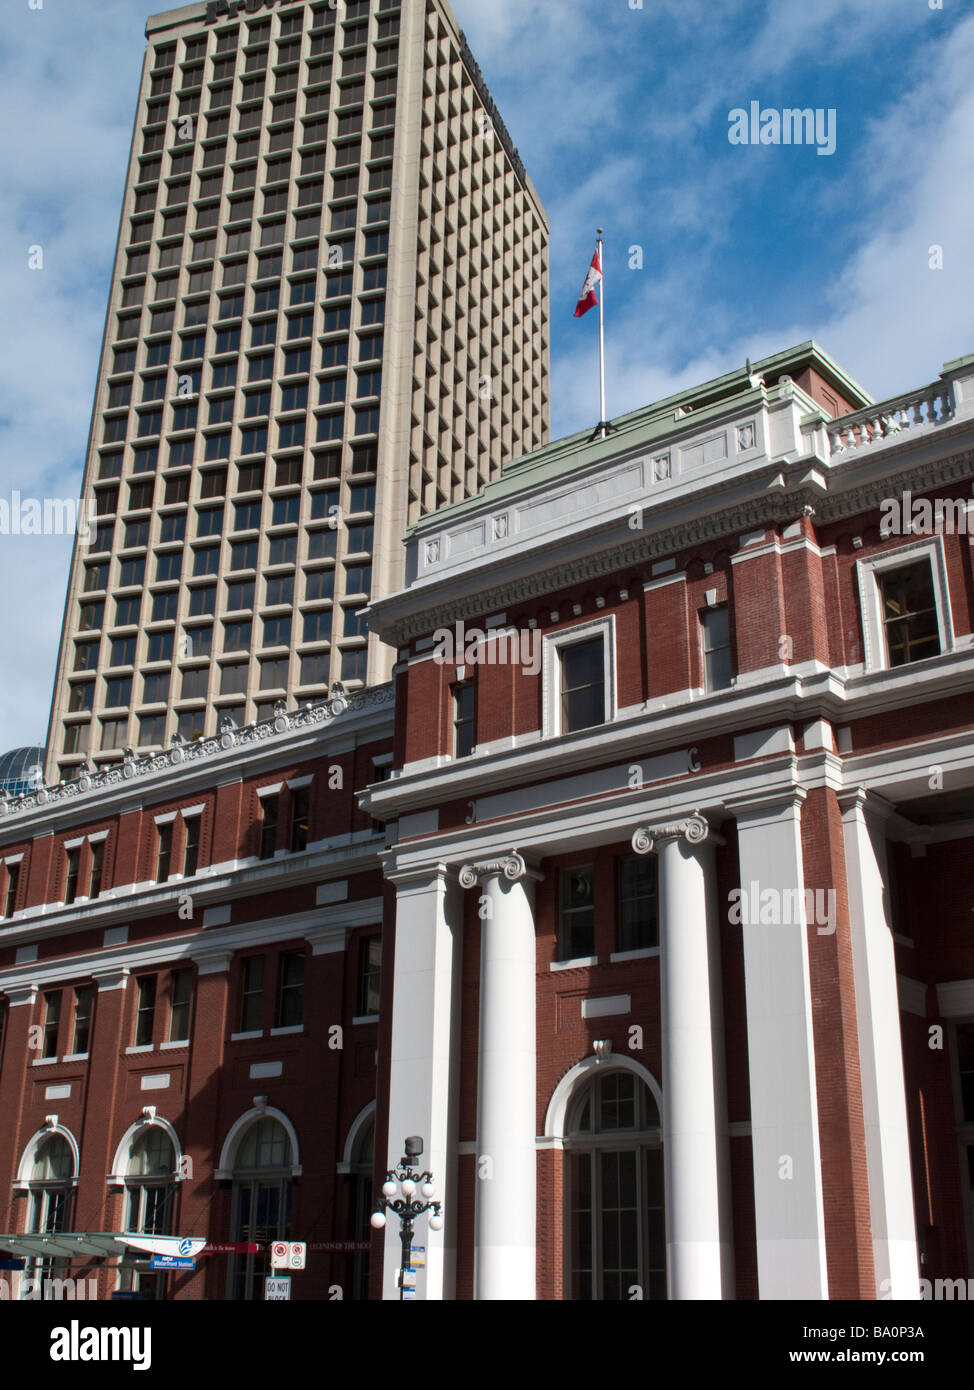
[588, 299]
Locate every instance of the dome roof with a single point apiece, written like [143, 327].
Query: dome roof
[15, 769]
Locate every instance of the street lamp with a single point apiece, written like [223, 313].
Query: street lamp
[405, 1179]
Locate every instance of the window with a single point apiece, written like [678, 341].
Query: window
[233, 680]
[52, 1019]
[252, 994]
[163, 850]
[317, 626]
[576, 913]
[164, 606]
[300, 811]
[268, 826]
[637, 919]
[369, 975]
[581, 675]
[237, 637]
[84, 1002]
[145, 1009]
[615, 1212]
[155, 688]
[909, 609]
[51, 1192]
[280, 589]
[152, 730]
[160, 647]
[180, 996]
[191, 724]
[246, 516]
[10, 892]
[96, 873]
[314, 669]
[168, 566]
[715, 639]
[283, 550]
[240, 595]
[81, 697]
[73, 858]
[277, 632]
[209, 521]
[206, 561]
[113, 733]
[464, 720]
[290, 989]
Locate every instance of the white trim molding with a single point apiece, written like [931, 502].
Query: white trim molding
[21, 1182]
[228, 1153]
[578, 1076]
[119, 1171]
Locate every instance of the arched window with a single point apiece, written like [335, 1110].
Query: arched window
[615, 1190]
[150, 1188]
[150, 1183]
[261, 1201]
[50, 1184]
[51, 1187]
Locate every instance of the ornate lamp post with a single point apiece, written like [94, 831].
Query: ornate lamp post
[404, 1180]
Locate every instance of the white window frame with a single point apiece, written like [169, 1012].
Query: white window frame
[868, 574]
[552, 646]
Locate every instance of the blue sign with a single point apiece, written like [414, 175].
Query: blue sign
[13, 1264]
[171, 1262]
[125, 1296]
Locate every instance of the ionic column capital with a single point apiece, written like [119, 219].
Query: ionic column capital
[694, 829]
[511, 866]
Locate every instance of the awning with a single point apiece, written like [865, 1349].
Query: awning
[79, 1245]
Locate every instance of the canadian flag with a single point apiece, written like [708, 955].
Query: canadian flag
[588, 299]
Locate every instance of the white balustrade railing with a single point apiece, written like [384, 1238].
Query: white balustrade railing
[930, 405]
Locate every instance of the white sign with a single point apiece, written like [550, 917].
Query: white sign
[409, 1278]
[277, 1289]
[418, 1256]
[288, 1254]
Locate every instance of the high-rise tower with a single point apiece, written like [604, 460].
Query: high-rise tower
[328, 315]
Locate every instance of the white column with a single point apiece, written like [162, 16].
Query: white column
[696, 1155]
[788, 1206]
[891, 1208]
[506, 1210]
[424, 1069]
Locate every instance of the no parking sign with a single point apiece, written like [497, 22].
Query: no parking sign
[288, 1254]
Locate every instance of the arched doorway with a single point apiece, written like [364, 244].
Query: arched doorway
[261, 1201]
[615, 1238]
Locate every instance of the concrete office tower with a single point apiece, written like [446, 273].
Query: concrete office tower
[328, 316]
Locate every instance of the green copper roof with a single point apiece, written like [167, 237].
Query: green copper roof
[649, 422]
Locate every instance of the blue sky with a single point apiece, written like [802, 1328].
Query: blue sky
[621, 117]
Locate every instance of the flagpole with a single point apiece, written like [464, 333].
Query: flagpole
[602, 421]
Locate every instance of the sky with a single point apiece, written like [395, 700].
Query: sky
[622, 112]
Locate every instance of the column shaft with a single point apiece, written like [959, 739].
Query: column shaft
[696, 1152]
[506, 1107]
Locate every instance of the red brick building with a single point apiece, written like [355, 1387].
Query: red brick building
[190, 974]
[669, 854]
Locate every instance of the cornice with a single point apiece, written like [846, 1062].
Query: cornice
[781, 488]
[137, 777]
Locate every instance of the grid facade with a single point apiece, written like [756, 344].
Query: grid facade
[328, 316]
